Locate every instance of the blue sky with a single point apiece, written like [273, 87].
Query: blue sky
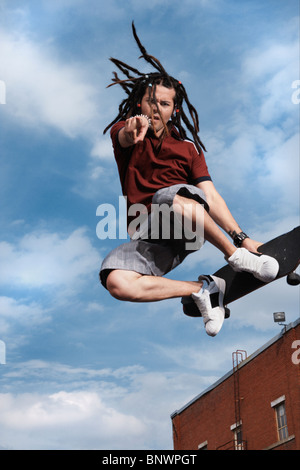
[84, 371]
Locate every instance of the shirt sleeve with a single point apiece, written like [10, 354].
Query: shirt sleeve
[114, 133]
[122, 155]
[199, 170]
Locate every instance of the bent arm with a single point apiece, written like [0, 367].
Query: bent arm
[220, 213]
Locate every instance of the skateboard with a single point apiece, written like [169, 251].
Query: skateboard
[285, 248]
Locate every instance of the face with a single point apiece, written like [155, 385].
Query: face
[165, 98]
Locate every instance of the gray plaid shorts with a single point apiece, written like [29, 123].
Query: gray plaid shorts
[154, 257]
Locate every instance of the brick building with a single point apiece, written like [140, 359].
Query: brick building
[255, 406]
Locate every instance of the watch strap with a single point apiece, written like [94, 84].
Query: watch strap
[238, 238]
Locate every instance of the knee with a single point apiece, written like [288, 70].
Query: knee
[181, 200]
[119, 286]
[115, 286]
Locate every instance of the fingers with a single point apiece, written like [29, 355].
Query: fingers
[136, 127]
[130, 125]
[257, 247]
[251, 245]
[131, 129]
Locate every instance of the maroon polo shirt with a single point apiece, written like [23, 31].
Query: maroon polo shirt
[146, 167]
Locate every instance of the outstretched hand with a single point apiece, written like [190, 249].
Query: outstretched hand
[136, 128]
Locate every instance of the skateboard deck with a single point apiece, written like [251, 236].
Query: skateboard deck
[285, 248]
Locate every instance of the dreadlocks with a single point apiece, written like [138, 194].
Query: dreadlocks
[136, 85]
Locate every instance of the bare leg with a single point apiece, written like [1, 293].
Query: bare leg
[134, 287]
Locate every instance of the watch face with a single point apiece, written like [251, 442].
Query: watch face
[238, 239]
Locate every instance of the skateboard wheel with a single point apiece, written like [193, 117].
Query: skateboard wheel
[227, 312]
[293, 279]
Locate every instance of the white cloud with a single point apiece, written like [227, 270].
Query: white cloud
[266, 62]
[267, 75]
[259, 169]
[19, 312]
[126, 408]
[281, 175]
[102, 149]
[63, 420]
[256, 152]
[43, 259]
[43, 90]
[256, 310]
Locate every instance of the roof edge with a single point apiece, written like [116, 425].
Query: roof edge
[285, 329]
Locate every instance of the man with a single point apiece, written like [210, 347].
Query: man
[158, 165]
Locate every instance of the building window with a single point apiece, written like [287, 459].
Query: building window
[202, 446]
[281, 421]
[237, 436]
[279, 408]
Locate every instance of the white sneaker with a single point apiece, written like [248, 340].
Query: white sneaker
[209, 301]
[263, 267]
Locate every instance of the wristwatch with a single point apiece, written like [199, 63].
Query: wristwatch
[238, 238]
